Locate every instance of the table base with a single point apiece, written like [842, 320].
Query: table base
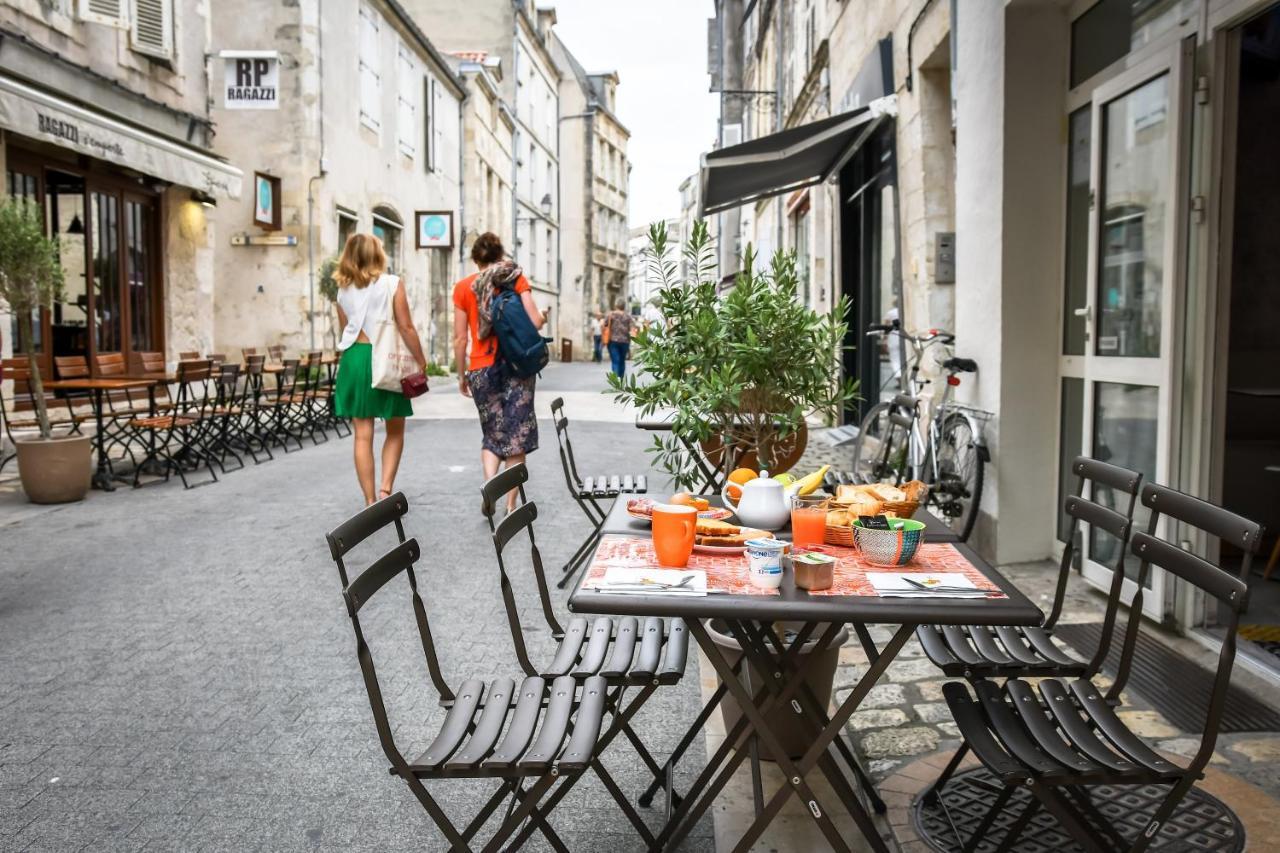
[1201, 821]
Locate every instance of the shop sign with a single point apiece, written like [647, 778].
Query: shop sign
[266, 201]
[251, 79]
[434, 229]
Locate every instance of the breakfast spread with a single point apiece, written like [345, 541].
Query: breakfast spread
[721, 534]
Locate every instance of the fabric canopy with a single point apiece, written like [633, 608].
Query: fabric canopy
[45, 116]
[783, 162]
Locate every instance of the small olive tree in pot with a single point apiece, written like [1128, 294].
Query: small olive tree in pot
[52, 469]
[741, 370]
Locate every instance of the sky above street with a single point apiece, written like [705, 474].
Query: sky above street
[659, 49]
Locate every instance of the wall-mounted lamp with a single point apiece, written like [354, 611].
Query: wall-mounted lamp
[545, 205]
[76, 226]
[204, 198]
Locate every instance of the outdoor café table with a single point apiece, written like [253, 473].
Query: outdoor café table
[103, 474]
[748, 614]
[619, 521]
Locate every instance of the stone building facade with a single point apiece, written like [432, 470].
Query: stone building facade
[366, 136]
[594, 182]
[105, 124]
[516, 33]
[1078, 190]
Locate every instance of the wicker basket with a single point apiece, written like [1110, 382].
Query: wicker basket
[916, 491]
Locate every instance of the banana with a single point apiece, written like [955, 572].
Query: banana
[808, 484]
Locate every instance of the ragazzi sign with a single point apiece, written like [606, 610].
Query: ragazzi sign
[251, 80]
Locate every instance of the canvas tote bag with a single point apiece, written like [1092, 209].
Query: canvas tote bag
[391, 359]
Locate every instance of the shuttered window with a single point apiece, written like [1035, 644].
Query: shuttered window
[152, 32]
[406, 100]
[114, 13]
[370, 79]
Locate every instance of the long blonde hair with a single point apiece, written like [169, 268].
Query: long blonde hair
[363, 260]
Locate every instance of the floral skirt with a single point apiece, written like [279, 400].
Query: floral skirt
[505, 403]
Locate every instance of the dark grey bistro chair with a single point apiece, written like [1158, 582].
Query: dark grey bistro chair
[623, 651]
[543, 733]
[1070, 737]
[588, 492]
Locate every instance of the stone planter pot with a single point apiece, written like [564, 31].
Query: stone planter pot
[820, 678]
[56, 470]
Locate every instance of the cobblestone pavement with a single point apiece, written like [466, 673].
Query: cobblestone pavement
[179, 671]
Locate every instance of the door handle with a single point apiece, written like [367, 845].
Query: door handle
[1081, 312]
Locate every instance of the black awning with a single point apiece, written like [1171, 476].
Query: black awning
[782, 162]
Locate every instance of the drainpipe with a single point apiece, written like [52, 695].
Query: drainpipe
[517, 144]
[311, 199]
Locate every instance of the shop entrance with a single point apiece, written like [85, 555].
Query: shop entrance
[1249, 428]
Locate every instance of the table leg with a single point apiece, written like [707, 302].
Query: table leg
[102, 476]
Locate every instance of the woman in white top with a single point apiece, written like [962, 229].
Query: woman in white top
[363, 293]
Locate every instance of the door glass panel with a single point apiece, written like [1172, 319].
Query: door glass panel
[1125, 425]
[1111, 29]
[108, 331]
[137, 270]
[1135, 192]
[64, 197]
[1076, 292]
[24, 186]
[1070, 443]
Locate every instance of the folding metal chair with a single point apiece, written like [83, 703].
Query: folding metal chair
[1070, 738]
[491, 729]
[176, 441]
[588, 493]
[623, 651]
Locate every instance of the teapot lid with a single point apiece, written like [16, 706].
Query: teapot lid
[764, 481]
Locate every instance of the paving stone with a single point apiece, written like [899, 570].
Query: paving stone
[890, 743]
[930, 691]
[876, 719]
[1258, 749]
[880, 696]
[1187, 747]
[933, 712]
[1149, 724]
[911, 670]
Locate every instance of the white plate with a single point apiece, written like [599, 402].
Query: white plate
[717, 513]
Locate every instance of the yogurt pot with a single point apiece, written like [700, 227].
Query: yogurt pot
[764, 558]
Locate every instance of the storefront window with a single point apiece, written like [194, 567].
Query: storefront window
[108, 333]
[64, 203]
[25, 186]
[1125, 425]
[1076, 292]
[138, 265]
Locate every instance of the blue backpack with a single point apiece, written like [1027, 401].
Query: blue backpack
[520, 346]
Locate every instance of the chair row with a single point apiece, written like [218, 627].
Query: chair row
[489, 728]
[1063, 734]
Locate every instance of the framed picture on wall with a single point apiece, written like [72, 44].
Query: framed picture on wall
[266, 201]
[434, 229]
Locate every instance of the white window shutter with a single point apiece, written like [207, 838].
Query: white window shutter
[152, 31]
[370, 80]
[406, 100]
[113, 13]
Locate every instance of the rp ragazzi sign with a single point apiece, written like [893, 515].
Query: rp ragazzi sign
[251, 80]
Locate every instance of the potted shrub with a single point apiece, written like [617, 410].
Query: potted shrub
[53, 469]
[744, 367]
[329, 292]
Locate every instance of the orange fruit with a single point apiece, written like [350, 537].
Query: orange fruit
[734, 492]
[742, 476]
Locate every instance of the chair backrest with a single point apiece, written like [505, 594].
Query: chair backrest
[1097, 481]
[253, 372]
[248, 351]
[71, 366]
[389, 511]
[148, 362]
[193, 385]
[109, 364]
[275, 353]
[1230, 591]
[227, 382]
[567, 462]
[287, 379]
[216, 358]
[188, 356]
[519, 519]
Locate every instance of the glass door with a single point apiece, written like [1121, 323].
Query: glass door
[1124, 387]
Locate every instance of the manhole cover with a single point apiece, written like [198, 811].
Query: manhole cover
[1201, 821]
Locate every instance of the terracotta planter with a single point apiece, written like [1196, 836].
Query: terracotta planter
[57, 470]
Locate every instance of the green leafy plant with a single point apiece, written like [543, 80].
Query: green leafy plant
[30, 279]
[325, 278]
[435, 368]
[744, 367]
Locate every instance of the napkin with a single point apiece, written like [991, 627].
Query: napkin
[619, 580]
[941, 585]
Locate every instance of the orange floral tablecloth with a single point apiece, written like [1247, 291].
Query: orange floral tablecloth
[728, 573]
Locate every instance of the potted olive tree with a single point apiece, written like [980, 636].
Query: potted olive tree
[53, 469]
[740, 370]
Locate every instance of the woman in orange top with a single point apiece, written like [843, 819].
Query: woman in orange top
[505, 401]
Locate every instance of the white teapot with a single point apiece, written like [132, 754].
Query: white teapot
[764, 503]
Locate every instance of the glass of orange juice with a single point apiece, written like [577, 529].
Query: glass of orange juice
[808, 519]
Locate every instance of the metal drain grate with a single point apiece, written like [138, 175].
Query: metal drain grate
[1201, 823]
[1175, 685]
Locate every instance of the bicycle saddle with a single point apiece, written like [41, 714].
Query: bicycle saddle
[961, 365]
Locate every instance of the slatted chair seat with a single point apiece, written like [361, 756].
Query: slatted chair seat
[1063, 736]
[164, 422]
[983, 650]
[622, 650]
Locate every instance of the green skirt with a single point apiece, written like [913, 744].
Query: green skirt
[354, 395]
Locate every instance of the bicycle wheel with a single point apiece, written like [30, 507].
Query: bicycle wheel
[881, 451]
[956, 493]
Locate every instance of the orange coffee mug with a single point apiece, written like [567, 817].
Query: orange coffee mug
[673, 531]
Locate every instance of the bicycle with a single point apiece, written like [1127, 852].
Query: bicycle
[949, 454]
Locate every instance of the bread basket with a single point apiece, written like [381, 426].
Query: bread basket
[839, 531]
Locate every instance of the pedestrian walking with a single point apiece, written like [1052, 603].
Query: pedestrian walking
[505, 401]
[364, 292]
[619, 325]
[597, 334]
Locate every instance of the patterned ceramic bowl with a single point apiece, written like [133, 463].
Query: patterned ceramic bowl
[894, 547]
